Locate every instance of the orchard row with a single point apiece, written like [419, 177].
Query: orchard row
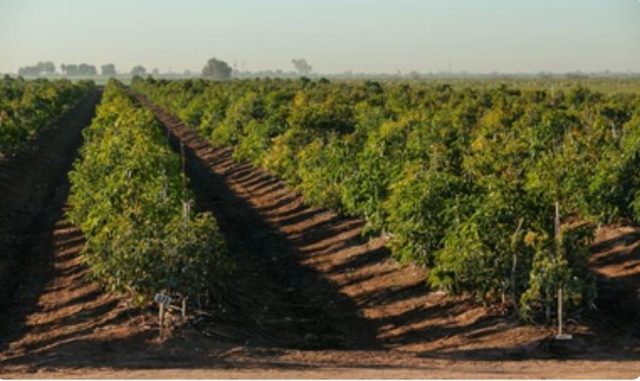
[130, 199]
[463, 181]
[27, 107]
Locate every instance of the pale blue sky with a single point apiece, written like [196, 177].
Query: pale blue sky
[333, 35]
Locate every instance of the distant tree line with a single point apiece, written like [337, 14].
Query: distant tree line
[78, 70]
[39, 69]
[214, 69]
[82, 69]
[219, 70]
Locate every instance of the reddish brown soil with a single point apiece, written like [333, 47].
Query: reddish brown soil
[617, 254]
[28, 183]
[309, 298]
[616, 261]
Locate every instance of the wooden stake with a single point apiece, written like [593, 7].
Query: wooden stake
[560, 311]
[161, 318]
[557, 221]
[514, 264]
[559, 253]
[184, 166]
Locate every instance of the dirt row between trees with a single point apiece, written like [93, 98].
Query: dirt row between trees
[27, 184]
[309, 297]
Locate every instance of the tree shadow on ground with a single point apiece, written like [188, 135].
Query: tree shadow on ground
[288, 303]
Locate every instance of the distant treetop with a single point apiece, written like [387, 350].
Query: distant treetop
[216, 69]
[302, 66]
[108, 70]
[138, 70]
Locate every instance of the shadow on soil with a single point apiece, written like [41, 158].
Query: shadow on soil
[276, 300]
[32, 202]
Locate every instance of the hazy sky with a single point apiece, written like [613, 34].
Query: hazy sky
[333, 35]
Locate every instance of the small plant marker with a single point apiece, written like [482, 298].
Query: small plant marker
[163, 303]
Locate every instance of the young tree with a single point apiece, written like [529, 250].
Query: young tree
[216, 69]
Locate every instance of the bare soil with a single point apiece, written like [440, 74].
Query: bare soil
[310, 298]
[28, 184]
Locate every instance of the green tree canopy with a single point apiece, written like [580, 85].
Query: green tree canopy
[108, 70]
[138, 70]
[216, 69]
[302, 66]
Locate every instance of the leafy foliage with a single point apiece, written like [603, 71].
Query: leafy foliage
[463, 180]
[27, 107]
[129, 200]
